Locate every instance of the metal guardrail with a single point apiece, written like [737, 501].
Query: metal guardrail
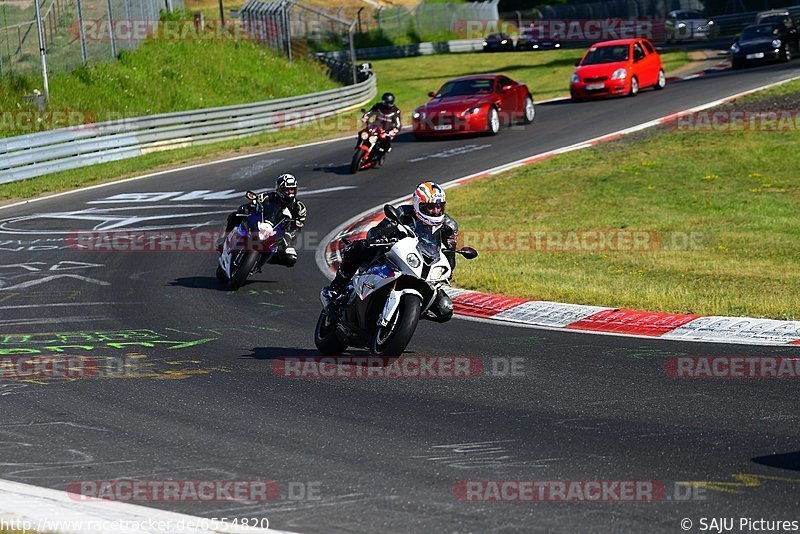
[734, 23]
[418, 49]
[31, 155]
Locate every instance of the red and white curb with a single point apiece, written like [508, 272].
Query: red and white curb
[34, 509]
[574, 317]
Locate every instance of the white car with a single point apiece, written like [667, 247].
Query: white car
[687, 25]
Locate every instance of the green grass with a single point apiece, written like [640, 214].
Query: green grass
[547, 73]
[739, 189]
[407, 90]
[170, 75]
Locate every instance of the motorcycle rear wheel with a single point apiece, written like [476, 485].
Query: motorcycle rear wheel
[391, 340]
[325, 338]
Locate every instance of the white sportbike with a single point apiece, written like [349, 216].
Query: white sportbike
[388, 295]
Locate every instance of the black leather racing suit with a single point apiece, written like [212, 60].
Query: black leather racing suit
[273, 207]
[388, 118]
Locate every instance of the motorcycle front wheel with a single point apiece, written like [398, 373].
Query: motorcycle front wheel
[241, 269]
[392, 339]
[325, 338]
[358, 157]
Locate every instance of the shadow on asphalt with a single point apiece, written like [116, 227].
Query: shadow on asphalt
[790, 460]
[211, 282]
[277, 353]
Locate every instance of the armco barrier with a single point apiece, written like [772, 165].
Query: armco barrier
[418, 49]
[31, 155]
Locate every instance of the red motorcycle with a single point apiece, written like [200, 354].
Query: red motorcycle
[371, 149]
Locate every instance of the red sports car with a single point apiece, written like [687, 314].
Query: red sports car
[620, 67]
[474, 104]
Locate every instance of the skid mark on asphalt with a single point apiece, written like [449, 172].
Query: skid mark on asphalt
[451, 153]
[481, 454]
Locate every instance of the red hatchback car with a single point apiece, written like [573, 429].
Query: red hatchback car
[474, 104]
[620, 67]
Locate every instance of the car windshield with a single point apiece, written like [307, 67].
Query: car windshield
[772, 19]
[466, 87]
[758, 32]
[688, 15]
[606, 54]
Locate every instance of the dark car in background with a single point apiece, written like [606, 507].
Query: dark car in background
[533, 38]
[760, 43]
[687, 25]
[498, 42]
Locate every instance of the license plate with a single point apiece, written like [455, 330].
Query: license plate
[595, 86]
[759, 55]
[442, 127]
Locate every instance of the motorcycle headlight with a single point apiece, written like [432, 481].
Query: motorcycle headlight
[575, 78]
[619, 74]
[437, 273]
[735, 48]
[373, 139]
[471, 111]
[364, 136]
[776, 43]
[413, 260]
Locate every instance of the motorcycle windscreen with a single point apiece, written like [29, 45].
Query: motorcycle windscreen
[430, 242]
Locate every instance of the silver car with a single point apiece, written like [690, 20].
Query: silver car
[687, 25]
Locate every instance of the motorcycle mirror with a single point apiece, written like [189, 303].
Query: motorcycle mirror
[250, 195]
[392, 213]
[469, 253]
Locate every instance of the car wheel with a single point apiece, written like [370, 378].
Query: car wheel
[529, 111]
[493, 122]
[662, 80]
[634, 87]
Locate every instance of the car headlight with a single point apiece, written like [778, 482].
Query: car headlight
[419, 115]
[364, 136]
[575, 78]
[504, 41]
[619, 74]
[735, 48]
[485, 43]
[471, 111]
[776, 43]
[558, 45]
[437, 273]
[535, 46]
[681, 26]
[413, 260]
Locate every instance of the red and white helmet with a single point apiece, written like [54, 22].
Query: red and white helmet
[429, 203]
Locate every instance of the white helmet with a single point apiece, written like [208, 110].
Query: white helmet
[429, 203]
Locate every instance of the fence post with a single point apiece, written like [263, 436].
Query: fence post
[351, 33]
[82, 32]
[128, 18]
[288, 31]
[42, 52]
[111, 29]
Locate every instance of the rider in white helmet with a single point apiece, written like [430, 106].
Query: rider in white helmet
[426, 214]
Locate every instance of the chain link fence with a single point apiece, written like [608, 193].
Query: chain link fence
[74, 31]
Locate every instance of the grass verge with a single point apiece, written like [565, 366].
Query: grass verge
[162, 76]
[408, 89]
[737, 191]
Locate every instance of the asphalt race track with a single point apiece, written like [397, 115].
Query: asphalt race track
[378, 455]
